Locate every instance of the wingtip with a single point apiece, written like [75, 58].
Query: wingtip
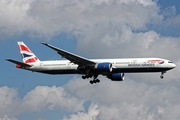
[43, 43]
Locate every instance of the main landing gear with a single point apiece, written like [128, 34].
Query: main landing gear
[162, 74]
[95, 80]
[86, 76]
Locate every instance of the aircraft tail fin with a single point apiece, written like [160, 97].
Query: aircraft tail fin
[27, 55]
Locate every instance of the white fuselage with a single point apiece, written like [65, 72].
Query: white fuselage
[119, 65]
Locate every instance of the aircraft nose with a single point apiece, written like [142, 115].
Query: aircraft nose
[173, 65]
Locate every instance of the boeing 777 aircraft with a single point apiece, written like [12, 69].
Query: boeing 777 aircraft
[113, 69]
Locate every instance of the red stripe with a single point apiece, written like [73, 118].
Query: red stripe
[31, 60]
[24, 48]
[156, 61]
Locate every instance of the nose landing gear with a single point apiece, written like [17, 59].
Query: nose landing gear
[162, 74]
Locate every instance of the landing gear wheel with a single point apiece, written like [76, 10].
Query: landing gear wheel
[91, 82]
[97, 80]
[161, 76]
[83, 77]
[94, 81]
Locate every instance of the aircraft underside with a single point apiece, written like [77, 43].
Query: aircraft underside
[94, 74]
[121, 70]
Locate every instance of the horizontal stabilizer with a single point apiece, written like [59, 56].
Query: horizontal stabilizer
[19, 63]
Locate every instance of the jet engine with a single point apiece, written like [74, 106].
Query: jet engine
[116, 77]
[104, 67]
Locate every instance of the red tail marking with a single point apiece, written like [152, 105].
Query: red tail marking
[31, 60]
[24, 48]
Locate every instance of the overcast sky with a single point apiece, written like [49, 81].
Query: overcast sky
[92, 29]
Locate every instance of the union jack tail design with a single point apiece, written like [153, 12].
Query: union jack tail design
[27, 55]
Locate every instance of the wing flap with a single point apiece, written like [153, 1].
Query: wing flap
[18, 63]
[72, 57]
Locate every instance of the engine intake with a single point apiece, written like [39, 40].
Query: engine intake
[116, 77]
[104, 67]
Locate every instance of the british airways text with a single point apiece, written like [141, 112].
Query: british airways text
[143, 65]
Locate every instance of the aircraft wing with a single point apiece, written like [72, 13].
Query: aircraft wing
[72, 57]
[19, 63]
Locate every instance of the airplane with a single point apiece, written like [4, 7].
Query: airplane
[114, 69]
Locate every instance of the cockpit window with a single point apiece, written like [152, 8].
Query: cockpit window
[170, 62]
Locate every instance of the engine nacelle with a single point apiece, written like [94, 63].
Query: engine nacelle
[116, 77]
[104, 67]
